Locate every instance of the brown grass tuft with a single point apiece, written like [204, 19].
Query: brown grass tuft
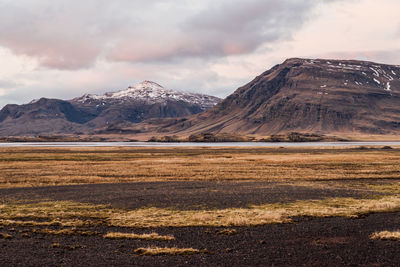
[72, 231]
[151, 236]
[386, 235]
[153, 251]
[5, 236]
[227, 232]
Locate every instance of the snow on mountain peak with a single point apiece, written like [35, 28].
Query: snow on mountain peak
[152, 92]
[143, 90]
[148, 84]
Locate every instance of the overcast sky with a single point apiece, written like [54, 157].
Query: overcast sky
[65, 48]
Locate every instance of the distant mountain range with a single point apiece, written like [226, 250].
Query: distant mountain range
[89, 113]
[300, 95]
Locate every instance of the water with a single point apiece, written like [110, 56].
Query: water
[225, 144]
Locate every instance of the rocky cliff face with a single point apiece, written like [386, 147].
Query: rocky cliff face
[318, 96]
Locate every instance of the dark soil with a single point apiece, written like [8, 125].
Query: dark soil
[309, 242]
[181, 195]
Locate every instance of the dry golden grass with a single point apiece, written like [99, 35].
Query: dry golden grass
[227, 232]
[256, 215]
[306, 167]
[56, 213]
[151, 236]
[153, 251]
[388, 188]
[63, 166]
[386, 235]
[72, 231]
[52, 222]
[157, 217]
[5, 236]
[75, 214]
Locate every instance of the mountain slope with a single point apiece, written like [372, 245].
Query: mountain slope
[41, 117]
[90, 113]
[317, 96]
[143, 101]
[151, 93]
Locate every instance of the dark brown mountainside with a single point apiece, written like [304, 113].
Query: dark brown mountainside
[318, 96]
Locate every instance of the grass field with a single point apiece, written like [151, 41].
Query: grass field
[22, 167]
[349, 183]
[354, 169]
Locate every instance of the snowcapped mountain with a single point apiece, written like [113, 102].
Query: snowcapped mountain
[89, 113]
[151, 93]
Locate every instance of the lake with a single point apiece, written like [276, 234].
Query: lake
[225, 144]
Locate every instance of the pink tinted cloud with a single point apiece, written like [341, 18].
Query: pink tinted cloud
[60, 52]
[74, 34]
[218, 31]
[58, 33]
[63, 55]
[169, 50]
[142, 50]
[233, 49]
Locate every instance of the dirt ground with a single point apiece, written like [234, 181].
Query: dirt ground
[184, 195]
[305, 242]
[308, 242]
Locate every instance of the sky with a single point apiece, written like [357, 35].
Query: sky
[65, 48]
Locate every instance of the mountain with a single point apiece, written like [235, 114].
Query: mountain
[144, 101]
[150, 93]
[106, 113]
[44, 116]
[300, 95]
[309, 96]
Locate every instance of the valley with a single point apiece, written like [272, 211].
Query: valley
[209, 205]
[200, 133]
[190, 205]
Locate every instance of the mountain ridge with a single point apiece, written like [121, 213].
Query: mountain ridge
[318, 96]
[152, 92]
[308, 95]
[89, 112]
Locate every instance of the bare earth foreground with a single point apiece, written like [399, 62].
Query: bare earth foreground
[199, 206]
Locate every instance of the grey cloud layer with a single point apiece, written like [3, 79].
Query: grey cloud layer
[5, 84]
[74, 34]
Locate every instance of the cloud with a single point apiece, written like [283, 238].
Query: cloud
[5, 84]
[63, 49]
[234, 28]
[75, 34]
[6, 87]
[62, 34]
[3, 91]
